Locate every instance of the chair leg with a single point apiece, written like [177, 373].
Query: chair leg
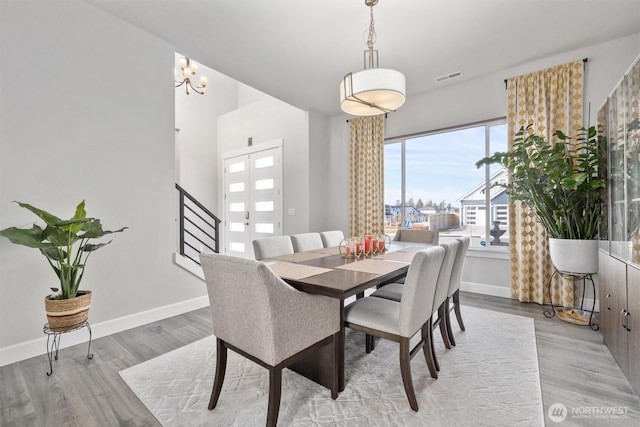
[442, 325]
[405, 369]
[426, 349]
[336, 372]
[275, 389]
[221, 367]
[447, 313]
[456, 301]
[433, 349]
[370, 343]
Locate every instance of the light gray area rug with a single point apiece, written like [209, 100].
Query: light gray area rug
[490, 378]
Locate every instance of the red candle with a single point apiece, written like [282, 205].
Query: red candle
[374, 245]
[348, 250]
[358, 248]
[381, 245]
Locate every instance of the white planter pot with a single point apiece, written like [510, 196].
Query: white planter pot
[574, 256]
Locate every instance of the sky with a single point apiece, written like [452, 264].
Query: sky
[440, 166]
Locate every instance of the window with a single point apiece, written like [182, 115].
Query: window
[431, 182]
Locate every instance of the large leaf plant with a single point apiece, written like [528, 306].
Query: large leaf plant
[561, 182]
[64, 243]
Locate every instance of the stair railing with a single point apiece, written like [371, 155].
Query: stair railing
[199, 227]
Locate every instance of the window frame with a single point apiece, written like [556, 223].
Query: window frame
[488, 124]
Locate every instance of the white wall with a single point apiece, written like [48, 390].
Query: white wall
[319, 157]
[87, 112]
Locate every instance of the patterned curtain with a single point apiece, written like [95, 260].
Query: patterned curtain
[366, 161]
[549, 99]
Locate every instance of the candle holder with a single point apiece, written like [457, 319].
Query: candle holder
[384, 242]
[347, 248]
[367, 244]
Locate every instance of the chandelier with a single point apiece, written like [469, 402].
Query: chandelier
[189, 70]
[374, 90]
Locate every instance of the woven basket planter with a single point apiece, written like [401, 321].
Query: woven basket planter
[66, 313]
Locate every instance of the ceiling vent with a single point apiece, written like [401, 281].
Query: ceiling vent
[449, 76]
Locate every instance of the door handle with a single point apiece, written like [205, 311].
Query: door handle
[627, 316]
[608, 306]
[246, 215]
[623, 317]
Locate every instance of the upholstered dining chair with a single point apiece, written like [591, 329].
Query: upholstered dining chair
[400, 321]
[272, 246]
[395, 292]
[306, 242]
[259, 316]
[453, 295]
[331, 238]
[415, 235]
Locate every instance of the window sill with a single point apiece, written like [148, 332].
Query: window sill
[493, 253]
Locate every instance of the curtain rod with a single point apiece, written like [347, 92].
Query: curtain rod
[584, 60]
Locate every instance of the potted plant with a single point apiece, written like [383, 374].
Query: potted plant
[562, 183]
[65, 245]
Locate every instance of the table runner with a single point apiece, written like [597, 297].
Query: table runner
[289, 270]
[333, 250]
[397, 256]
[301, 256]
[373, 266]
[412, 249]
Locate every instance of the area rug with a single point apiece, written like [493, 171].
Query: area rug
[490, 378]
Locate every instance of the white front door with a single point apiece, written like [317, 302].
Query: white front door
[253, 199]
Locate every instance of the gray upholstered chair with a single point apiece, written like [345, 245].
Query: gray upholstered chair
[416, 235]
[453, 295]
[272, 246]
[258, 315]
[442, 288]
[419, 236]
[396, 292]
[399, 321]
[331, 238]
[306, 242]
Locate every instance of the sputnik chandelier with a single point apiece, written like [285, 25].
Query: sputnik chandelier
[188, 70]
[374, 90]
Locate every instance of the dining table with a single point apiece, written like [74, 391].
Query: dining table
[327, 272]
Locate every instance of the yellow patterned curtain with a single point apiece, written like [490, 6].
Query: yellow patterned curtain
[366, 161]
[549, 99]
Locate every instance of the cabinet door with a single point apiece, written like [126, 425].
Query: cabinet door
[633, 299]
[612, 276]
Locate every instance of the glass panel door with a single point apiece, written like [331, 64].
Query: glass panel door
[632, 128]
[617, 160]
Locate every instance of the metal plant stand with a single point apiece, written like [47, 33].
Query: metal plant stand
[573, 277]
[53, 341]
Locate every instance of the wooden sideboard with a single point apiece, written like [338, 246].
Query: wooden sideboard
[620, 314]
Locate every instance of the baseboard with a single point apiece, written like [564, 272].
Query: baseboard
[37, 347]
[188, 265]
[482, 288]
[501, 291]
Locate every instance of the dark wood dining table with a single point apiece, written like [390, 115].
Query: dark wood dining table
[331, 274]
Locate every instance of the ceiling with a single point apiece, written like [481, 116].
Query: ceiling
[299, 50]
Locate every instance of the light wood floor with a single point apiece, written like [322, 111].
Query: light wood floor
[576, 370]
